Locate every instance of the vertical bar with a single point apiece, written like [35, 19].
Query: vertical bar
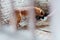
[31, 22]
[0, 13]
[31, 19]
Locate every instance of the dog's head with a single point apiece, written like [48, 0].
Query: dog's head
[39, 13]
[19, 14]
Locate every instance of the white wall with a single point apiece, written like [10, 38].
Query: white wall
[7, 13]
[55, 19]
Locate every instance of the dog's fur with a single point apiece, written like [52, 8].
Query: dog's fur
[20, 13]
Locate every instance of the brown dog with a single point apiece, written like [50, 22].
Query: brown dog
[19, 14]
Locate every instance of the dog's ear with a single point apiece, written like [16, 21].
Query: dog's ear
[18, 17]
[39, 11]
[24, 12]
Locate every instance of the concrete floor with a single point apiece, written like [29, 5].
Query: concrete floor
[6, 34]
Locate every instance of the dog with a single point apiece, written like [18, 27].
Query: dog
[39, 13]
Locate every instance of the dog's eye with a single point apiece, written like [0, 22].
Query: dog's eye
[24, 12]
[38, 17]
